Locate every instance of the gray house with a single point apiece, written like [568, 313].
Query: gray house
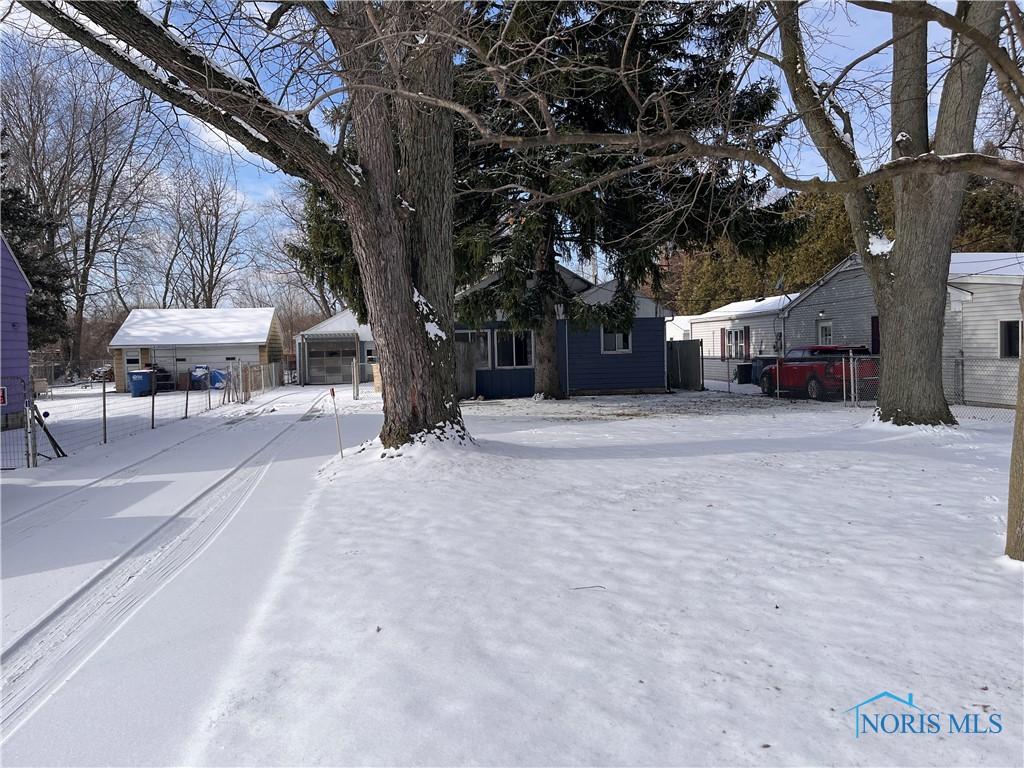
[837, 309]
[982, 328]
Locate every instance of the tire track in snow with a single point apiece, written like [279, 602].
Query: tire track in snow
[49, 653]
[132, 469]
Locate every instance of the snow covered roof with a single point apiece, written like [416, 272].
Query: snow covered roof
[980, 264]
[575, 283]
[342, 323]
[181, 327]
[603, 293]
[748, 307]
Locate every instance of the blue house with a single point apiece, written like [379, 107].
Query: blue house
[496, 362]
[14, 368]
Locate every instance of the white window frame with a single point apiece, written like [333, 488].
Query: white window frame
[533, 350]
[1020, 338]
[734, 343]
[487, 335]
[822, 324]
[618, 338]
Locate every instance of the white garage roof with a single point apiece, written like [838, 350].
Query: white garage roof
[342, 323]
[194, 327]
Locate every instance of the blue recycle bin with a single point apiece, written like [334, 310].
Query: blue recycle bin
[140, 383]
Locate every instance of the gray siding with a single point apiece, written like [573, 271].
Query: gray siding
[845, 299]
[973, 332]
[990, 303]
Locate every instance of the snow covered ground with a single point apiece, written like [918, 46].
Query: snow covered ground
[692, 579]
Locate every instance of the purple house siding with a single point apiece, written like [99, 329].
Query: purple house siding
[14, 370]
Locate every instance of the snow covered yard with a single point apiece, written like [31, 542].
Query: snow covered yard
[699, 579]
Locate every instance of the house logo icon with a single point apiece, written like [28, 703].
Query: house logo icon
[907, 703]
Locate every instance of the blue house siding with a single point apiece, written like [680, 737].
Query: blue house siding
[14, 369]
[589, 370]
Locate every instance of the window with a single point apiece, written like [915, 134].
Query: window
[825, 332]
[479, 343]
[1009, 338]
[229, 358]
[613, 342]
[514, 349]
[131, 361]
[734, 341]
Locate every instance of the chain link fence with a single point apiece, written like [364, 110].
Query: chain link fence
[70, 418]
[983, 388]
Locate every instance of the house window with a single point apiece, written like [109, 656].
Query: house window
[514, 349]
[131, 361]
[1009, 338]
[734, 341]
[825, 332]
[229, 358]
[479, 343]
[613, 342]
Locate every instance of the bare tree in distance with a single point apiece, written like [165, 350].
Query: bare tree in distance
[212, 228]
[84, 143]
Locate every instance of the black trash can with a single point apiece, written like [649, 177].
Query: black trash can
[743, 373]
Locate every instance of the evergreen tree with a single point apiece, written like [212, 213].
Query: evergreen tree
[324, 251]
[625, 221]
[25, 231]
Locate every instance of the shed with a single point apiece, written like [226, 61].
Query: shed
[739, 331]
[14, 362]
[178, 339]
[324, 354]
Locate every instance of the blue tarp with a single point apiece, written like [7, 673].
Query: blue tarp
[219, 379]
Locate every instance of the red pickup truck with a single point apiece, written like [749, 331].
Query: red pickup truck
[819, 372]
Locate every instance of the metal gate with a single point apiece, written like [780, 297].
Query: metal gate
[16, 449]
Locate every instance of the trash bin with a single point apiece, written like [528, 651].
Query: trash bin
[743, 373]
[140, 383]
[756, 366]
[200, 374]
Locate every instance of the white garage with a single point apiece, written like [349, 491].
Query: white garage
[175, 340]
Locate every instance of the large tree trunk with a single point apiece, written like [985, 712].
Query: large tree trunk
[909, 282]
[545, 335]
[1015, 504]
[402, 229]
